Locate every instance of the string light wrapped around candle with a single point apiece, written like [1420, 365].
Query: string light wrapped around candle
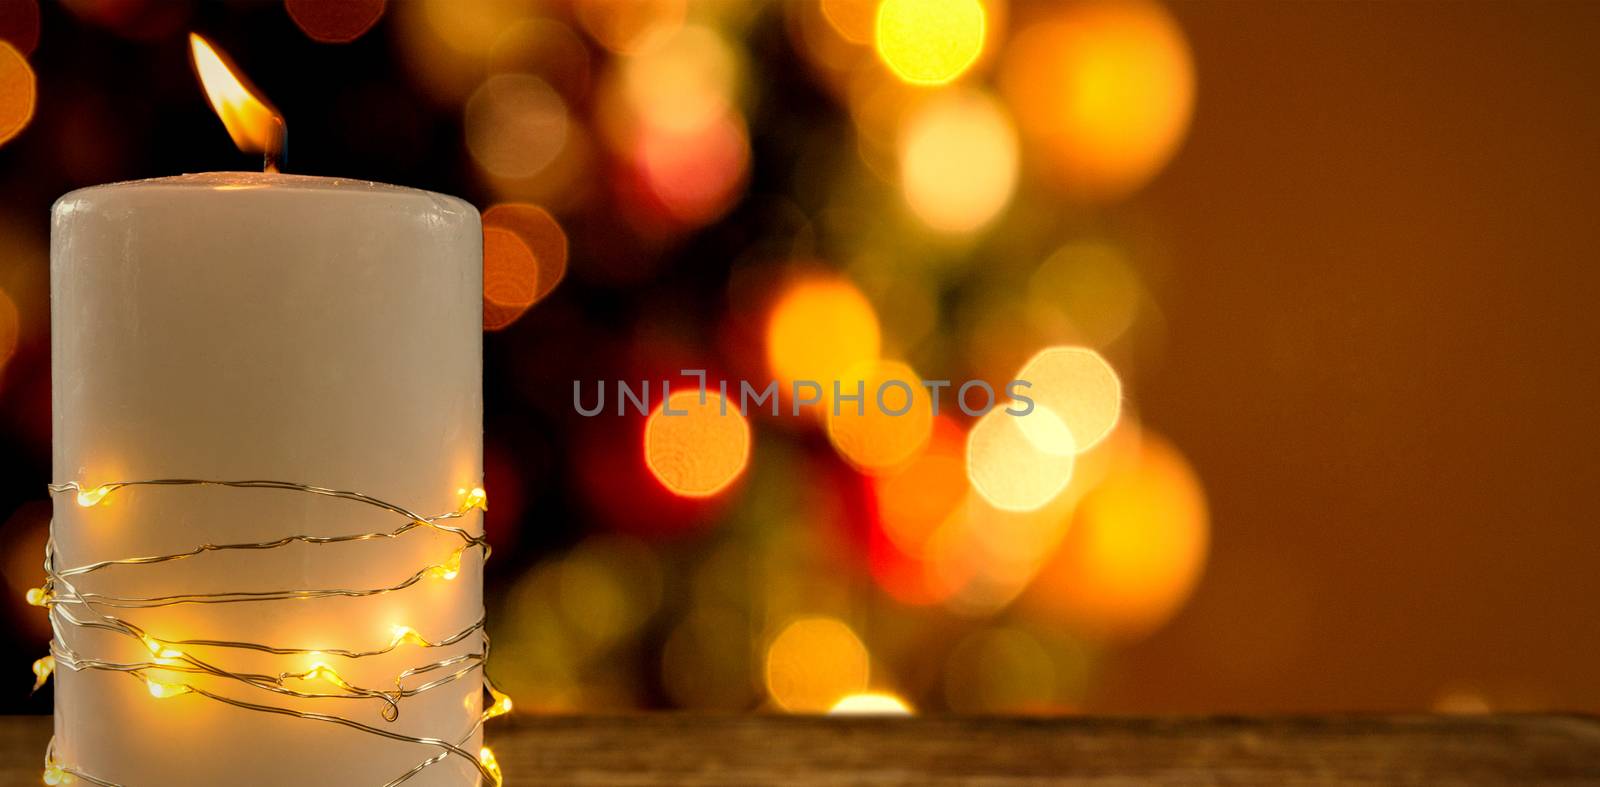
[162, 674]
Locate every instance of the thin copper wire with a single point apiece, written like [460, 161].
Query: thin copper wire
[59, 592]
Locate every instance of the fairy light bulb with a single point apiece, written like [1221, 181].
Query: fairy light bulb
[500, 707]
[451, 567]
[54, 775]
[89, 497]
[38, 597]
[404, 634]
[159, 650]
[474, 498]
[491, 765]
[42, 670]
[162, 691]
[323, 672]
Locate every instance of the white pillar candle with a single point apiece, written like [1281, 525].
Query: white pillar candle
[234, 326]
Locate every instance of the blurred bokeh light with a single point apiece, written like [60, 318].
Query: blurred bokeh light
[1000, 670]
[18, 91]
[524, 258]
[1009, 468]
[510, 277]
[19, 24]
[630, 26]
[1136, 548]
[1078, 395]
[140, 20]
[855, 20]
[516, 125]
[10, 328]
[1104, 90]
[929, 42]
[871, 703]
[335, 21]
[814, 663]
[1086, 289]
[888, 420]
[958, 162]
[700, 447]
[913, 501]
[820, 329]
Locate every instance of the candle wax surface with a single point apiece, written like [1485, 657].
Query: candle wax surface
[234, 326]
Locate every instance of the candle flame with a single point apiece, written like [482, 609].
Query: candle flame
[256, 127]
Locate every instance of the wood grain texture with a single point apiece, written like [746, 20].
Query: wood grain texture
[623, 751]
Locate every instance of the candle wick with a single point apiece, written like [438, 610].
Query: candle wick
[277, 151]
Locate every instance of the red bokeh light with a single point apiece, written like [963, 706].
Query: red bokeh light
[19, 24]
[335, 21]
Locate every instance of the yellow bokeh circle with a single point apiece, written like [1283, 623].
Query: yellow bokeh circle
[1105, 91]
[819, 329]
[1008, 469]
[958, 161]
[929, 42]
[814, 663]
[1135, 550]
[871, 703]
[889, 424]
[1078, 399]
[699, 448]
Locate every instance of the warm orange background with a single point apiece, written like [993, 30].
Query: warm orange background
[1383, 359]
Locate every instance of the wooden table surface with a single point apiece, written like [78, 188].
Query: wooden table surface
[666, 749]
